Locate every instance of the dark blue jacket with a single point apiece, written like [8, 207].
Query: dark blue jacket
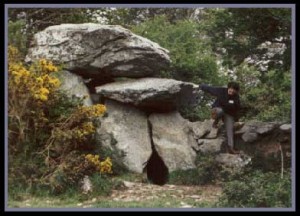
[223, 99]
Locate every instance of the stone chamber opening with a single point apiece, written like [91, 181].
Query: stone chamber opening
[157, 171]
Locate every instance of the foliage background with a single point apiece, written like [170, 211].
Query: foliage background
[208, 45]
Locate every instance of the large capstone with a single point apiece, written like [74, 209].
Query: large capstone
[99, 51]
[154, 94]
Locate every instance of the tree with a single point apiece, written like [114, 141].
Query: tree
[241, 30]
[129, 17]
[191, 55]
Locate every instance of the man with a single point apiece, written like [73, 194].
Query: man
[226, 106]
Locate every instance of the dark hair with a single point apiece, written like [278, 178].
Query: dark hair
[234, 85]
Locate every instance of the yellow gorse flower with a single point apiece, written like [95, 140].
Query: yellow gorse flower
[92, 111]
[42, 94]
[54, 82]
[84, 130]
[35, 80]
[47, 66]
[103, 167]
[88, 127]
[12, 53]
[18, 73]
[44, 91]
[40, 80]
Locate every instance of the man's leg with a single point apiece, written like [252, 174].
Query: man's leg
[216, 114]
[229, 122]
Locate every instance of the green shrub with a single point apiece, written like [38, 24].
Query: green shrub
[18, 36]
[185, 177]
[200, 112]
[102, 184]
[257, 189]
[206, 171]
[267, 96]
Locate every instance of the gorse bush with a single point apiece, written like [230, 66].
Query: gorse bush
[29, 93]
[49, 133]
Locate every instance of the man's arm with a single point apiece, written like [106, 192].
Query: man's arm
[215, 91]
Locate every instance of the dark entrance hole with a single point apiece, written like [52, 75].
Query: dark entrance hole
[157, 171]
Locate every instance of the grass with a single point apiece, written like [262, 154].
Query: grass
[103, 202]
[162, 202]
[142, 195]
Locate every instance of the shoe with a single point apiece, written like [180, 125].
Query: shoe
[238, 125]
[215, 124]
[214, 114]
[231, 150]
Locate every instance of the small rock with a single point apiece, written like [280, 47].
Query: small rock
[238, 125]
[249, 137]
[194, 196]
[186, 206]
[128, 184]
[86, 186]
[212, 134]
[265, 128]
[285, 127]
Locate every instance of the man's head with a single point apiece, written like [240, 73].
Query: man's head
[233, 88]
